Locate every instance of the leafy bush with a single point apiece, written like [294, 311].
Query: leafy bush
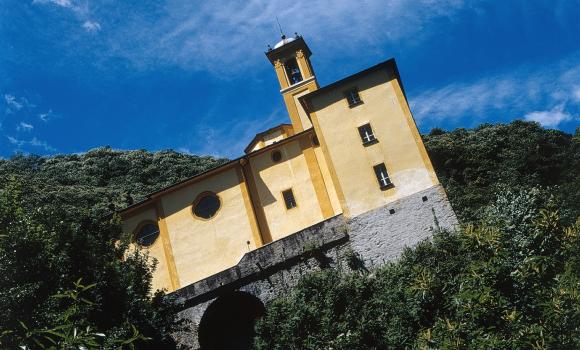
[510, 282]
[472, 164]
[53, 232]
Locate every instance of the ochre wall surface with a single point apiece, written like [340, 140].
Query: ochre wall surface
[273, 178]
[298, 116]
[203, 247]
[327, 178]
[200, 248]
[334, 177]
[161, 277]
[399, 145]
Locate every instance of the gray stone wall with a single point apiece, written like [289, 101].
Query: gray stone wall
[381, 235]
[377, 236]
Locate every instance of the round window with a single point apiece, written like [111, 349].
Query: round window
[206, 206]
[276, 156]
[147, 234]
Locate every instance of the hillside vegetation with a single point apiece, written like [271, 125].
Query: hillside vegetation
[52, 234]
[473, 165]
[509, 280]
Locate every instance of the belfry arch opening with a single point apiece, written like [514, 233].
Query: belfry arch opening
[228, 322]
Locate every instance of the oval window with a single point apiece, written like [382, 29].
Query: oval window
[276, 156]
[206, 206]
[147, 234]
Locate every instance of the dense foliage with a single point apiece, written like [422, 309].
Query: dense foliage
[52, 233]
[473, 164]
[510, 282]
[508, 279]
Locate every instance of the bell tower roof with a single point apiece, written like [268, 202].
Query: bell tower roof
[284, 41]
[287, 46]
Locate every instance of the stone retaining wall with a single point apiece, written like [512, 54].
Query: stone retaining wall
[377, 236]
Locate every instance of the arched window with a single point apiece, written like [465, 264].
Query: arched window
[206, 205]
[292, 71]
[276, 156]
[147, 234]
[315, 141]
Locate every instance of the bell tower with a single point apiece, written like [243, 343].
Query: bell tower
[291, 60]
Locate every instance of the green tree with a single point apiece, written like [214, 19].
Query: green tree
[509, 282]
[472, 164]
[54, 230]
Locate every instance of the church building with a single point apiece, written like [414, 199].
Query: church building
[350, 148]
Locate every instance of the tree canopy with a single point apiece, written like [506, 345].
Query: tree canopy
[507, 279]
[53, 233]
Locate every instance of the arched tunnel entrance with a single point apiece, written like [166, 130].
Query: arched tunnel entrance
[228, 322]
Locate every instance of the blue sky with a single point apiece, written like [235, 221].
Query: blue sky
[192, 76]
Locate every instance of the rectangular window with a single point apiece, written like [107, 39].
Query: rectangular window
[366, 134]
[353, 97]
[289, 199]
[382, 176]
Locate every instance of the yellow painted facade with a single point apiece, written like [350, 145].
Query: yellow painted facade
[318, 162]
[398, 145]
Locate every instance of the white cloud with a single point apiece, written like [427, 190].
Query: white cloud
[92, 26]
[45, 117]
[13, 103]
[61, 3]
[226, 35]
[78, 8]
[576, 94]
[518, 89]
[22, 126]
[551, 118]
[34, 142]
[15, 141]
[230, 138]
[42, 144]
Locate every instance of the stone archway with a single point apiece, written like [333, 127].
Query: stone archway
[228, 322]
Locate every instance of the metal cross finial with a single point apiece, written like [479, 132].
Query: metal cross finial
[280, 27]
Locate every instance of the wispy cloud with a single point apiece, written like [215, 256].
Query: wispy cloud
[527, 88]
[18, 118]
[45, 117]
[229, 139]
[92, 26]
[34, 142]
[23, 126]
[77, 8]
[213, 36]
[551, 118]
[13, 103]
[576, 94]
[61, 3]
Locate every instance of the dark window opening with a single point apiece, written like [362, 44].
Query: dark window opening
[353, 97]
[206, 206]
[289, 199]
[391, 211]
[147, 234]
[366, 134]
[315, 141]
[293, 71]
[424, 198]
[382, 176]
[276, 156]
